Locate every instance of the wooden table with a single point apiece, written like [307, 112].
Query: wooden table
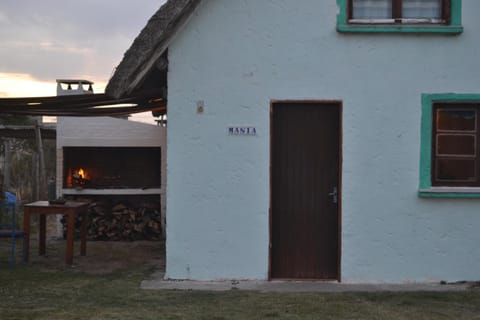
[71, 209]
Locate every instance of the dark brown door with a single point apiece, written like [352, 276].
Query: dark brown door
[305, 190]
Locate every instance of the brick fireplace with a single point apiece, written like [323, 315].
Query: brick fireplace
[110, 158]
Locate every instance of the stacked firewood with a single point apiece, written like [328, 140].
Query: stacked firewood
[123, 222]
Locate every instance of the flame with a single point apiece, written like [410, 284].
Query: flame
[82, 173]
[77, 177]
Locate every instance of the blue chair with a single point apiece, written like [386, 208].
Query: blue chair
[8, 229]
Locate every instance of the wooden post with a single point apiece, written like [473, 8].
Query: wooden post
[7, 145]
[36, 178]
[41, 159]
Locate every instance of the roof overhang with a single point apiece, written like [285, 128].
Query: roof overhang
[86, 105]
[147, 49]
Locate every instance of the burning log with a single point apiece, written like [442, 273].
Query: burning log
[79, 178]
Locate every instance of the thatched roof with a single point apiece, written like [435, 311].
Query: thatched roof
[149, 46]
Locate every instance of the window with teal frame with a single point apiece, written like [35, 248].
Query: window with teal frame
[452, 26]
[450, 136]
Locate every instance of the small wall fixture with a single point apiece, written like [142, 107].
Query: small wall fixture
[200, 106]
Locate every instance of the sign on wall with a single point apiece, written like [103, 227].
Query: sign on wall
[242, 131]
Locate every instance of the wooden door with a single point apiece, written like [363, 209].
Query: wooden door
[305, 191]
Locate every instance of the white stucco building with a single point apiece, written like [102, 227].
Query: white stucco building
[317, 139]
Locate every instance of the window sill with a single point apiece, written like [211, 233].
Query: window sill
[361, 28]
[449, 192]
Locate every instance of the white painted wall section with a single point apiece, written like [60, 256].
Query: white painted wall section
[237, 56]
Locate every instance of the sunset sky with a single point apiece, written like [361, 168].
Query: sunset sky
[41, 41]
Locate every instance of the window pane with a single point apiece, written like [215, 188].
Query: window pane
[455, 144]
[456, 119]
[418, 9]
[456, 170]
[372, 9]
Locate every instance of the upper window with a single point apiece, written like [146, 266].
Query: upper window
[399, 11]
[400, 16]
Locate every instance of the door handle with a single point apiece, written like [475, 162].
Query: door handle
[334, 195]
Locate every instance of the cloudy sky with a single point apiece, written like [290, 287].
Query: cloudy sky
[44, 40]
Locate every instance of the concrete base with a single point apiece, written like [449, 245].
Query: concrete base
[157, 283]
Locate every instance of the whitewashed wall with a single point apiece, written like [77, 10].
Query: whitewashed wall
[238, 55]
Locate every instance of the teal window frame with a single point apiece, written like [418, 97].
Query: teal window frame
[425, 186]
[455, 26]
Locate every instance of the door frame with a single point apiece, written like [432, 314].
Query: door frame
[339, 103]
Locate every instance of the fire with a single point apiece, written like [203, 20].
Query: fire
[78, 178]
[82, 173]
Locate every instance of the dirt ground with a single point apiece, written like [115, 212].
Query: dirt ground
[102, 257]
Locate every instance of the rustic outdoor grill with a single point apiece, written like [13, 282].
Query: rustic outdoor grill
[116, 165]
[111, 167]
[121, 184]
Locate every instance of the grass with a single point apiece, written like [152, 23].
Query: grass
[45, 289]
